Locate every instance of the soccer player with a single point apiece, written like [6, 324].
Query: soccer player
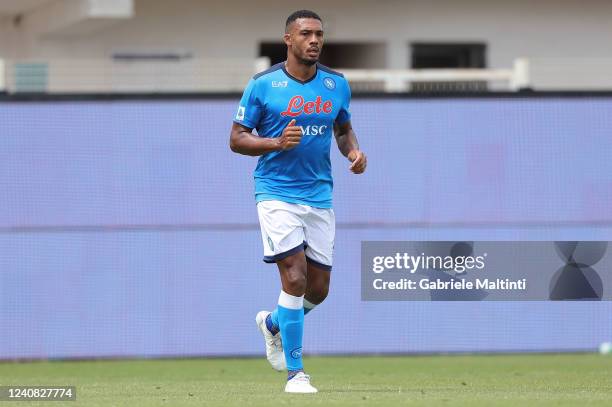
[296, 106]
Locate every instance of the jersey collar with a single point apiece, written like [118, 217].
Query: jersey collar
[298, 80]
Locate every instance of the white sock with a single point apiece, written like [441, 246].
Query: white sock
[308, 306]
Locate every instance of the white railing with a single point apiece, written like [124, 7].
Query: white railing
[112, 76]
[213, 75]
[399, 80]
[568, 73]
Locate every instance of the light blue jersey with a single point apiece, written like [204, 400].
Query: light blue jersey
[271, 100]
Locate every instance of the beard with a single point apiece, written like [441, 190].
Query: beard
[308, 62]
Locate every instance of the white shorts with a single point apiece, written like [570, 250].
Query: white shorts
[288, 228]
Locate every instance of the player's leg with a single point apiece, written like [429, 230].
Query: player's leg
[319, 234]
[282, 236]
[310, 276]
[317, 285]
[290, 308]
[290, 312]
[320, 230]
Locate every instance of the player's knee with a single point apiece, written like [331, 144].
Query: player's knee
[295, 278]
[318, 288]
[319, 294]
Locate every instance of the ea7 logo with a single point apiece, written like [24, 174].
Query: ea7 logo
[313, 130]
[279, 84]
[240, 114]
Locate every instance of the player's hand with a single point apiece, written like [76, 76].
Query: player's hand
[290, 137]
[358, 160]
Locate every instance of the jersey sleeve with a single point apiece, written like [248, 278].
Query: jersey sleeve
[344, 115]
[250, 107]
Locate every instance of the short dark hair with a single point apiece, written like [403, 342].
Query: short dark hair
[301, 14]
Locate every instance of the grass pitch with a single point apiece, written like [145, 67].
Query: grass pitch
[508, 380]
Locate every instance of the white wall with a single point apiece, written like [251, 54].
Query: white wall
[541, 29]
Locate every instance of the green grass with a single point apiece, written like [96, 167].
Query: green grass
[505, 380]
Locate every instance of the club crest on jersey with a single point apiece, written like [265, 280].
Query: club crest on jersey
[329, 83]
[297, 106]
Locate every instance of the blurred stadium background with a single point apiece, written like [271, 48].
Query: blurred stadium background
[128, 227]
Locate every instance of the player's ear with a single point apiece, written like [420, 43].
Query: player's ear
[287, 39]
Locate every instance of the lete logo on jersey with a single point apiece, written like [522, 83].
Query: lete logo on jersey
[297, 106]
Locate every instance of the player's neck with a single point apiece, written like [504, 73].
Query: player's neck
[300, 71]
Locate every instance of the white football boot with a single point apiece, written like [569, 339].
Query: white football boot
[300, 383]
[274, 344]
